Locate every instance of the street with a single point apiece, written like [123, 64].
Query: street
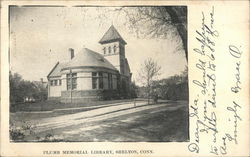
[120, 122]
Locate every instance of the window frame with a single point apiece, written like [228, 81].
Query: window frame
[97, 80]
[94, 81]
[110, 81]
[69, 81]
[100, 85]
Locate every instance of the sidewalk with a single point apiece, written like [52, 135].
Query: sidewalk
[77, 109]
[91, 115]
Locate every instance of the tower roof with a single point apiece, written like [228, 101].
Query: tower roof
[111, 35]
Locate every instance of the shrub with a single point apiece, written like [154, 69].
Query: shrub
[19, 134]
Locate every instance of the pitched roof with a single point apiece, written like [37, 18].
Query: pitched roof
[40, 84]
[85, 58]
[56, 71]
[89, 58]
[111, 35]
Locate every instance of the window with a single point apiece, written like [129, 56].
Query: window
[109, 49]
[94, 80]
[97, 80]
[110, 84]
[68, 82]
[94, 73]
[71, 81]
[104, 50]
[100, 80]
[74, 81]
[55, 83]
[115, 48]
[94, 83]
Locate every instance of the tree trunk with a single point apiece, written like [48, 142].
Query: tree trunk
[180, 28]
[148, 94]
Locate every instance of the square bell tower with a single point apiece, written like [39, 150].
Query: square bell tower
[113, 49]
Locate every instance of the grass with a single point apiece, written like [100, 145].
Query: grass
[20, 134]
[50, 105]
[32, 111]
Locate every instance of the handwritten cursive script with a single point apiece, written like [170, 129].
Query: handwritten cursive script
[206, 121]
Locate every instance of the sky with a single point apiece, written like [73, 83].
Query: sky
[41, 36]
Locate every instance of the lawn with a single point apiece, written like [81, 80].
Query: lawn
[50, 105]
[37, 110]
[31, 111]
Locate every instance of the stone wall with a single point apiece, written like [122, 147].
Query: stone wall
[54, 98]
[78, 96]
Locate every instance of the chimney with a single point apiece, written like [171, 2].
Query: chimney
[41, 80]
[71, 53]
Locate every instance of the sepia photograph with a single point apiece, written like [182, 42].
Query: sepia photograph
[98, 74]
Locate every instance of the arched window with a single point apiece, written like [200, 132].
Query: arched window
[109, 49]
[104, 50]
[115, 47]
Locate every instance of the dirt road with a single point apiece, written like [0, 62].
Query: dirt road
[122, 122]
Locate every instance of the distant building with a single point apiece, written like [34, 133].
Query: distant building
[40, 94]
[41, 84]
[89, 75]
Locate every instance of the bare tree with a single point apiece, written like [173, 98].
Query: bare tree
[158, 22]
[151, 21]
[148, 73]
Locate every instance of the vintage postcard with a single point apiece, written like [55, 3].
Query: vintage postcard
[125, 78]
